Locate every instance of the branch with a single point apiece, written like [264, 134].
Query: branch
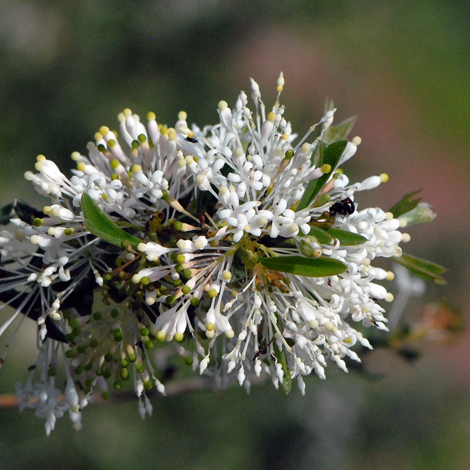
[172, 389]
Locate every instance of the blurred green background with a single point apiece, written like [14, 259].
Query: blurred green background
[403, 67]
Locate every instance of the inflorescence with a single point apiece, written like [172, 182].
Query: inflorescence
[237, 247]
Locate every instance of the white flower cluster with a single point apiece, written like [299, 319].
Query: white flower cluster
[211, 208]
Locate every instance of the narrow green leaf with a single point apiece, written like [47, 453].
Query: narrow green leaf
[99, 224]
[310, 191]
[406, 204]
[340, 131]
[319, 267]
[281, 359]
[322, 200]
[425, 269]
[347, 238]
[331, 155]
[316, 159]
[323, 237]
[421, 214]
[430, 266]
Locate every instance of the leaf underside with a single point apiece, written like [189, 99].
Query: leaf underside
[99, 224]
[340, 131]
[280, 355]
[347, 238]
[425, 269]
[321, 235]
[406, 204]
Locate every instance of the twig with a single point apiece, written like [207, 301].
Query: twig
[172, 389]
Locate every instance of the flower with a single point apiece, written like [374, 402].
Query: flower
[237, 246]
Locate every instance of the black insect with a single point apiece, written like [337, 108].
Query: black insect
[263, 349]
[344, 207]
[193, 140]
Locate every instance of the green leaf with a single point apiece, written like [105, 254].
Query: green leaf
[322, 200]
[316, 160]
[423, 268]
[347, 238]
[323, 237]
[281, 359]
[319, 267]
[406, 204]
[99, 224]
[331, 155]
[19, 209]
[419, 215]
[340, 131]
[420, 263]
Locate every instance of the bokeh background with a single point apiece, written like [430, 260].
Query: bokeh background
[66, 68]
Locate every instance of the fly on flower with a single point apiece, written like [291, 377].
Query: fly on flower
[222, 253]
